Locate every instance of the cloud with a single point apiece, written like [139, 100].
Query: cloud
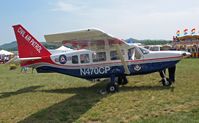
[64, 7]
[140, 19]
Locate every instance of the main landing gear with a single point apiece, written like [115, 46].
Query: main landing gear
[168, 81]
[113, 85]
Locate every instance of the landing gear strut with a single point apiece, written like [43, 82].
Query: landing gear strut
[122, 80]
[168, 81]
[165, 81]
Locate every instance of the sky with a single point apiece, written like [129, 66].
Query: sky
[139, 19]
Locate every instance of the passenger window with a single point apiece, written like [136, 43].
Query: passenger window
[114, 55]
[84, 58]
[98, 57]
[75, 59]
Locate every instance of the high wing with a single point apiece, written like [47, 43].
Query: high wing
[91, 39]
[83, 35]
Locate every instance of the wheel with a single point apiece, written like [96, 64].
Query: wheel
[166, 82]
[112, 87]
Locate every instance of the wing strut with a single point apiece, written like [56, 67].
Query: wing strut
[122, 59]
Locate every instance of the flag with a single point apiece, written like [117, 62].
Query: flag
[178, 33]
[193, 31]
[185, 31]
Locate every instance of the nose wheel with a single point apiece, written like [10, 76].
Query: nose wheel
[112, 87]
[166, 82]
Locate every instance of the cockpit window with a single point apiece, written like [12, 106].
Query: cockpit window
[143, 50]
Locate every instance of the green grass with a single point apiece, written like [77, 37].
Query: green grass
[58, 98]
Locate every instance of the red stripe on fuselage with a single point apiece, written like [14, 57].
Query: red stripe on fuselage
[44, 60]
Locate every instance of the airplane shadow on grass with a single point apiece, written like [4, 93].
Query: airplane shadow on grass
[72, 108]
[20, 91]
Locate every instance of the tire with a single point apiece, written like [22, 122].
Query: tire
[112, 87]
[166, 82]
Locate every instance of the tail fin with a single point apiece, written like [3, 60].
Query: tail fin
[28, 46]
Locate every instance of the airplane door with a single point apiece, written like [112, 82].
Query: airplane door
[134, 54]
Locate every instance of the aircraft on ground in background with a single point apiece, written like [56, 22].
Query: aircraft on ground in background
[95, 55]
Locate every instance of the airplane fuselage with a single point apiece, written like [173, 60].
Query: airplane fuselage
[74, 63]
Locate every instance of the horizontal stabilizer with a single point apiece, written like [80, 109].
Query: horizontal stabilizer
[16, 59]
[30, 59]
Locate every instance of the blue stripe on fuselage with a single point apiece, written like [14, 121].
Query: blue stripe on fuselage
[103, 72]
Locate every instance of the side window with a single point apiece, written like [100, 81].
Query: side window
[75, 59]
[98, 57]
[84, 58]
[114, 55]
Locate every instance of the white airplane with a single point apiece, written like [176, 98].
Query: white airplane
[96, 55]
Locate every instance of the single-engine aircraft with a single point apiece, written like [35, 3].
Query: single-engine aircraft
[95, 55]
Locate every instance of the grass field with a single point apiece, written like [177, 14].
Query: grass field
[55, 98]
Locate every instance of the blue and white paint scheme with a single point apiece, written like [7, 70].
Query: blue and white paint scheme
[152, 61]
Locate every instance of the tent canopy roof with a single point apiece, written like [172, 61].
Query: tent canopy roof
[63, 48]
[4, 52]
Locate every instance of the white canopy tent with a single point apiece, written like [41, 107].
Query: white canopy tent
[4, 52]
[63, 48]
[5, 56]
[60, 50]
